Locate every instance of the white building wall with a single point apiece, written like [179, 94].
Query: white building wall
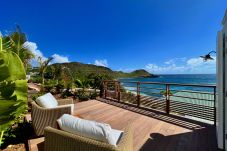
[219, 103]
[222, 85]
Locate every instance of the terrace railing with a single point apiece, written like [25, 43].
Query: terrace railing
[192, 101]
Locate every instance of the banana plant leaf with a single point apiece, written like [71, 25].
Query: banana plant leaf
[13, 89]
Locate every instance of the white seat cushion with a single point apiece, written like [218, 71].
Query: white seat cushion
[116, 135]
[91, 129]
[47, 101]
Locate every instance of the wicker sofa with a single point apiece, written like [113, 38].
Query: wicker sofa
[59, 140]
[43, 117]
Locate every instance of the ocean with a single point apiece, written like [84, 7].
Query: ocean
[181, 97]
[179, 78]
[206, 79]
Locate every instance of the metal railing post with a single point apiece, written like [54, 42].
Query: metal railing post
[105, 88]
[138, 94]
[199, 108]
[115, 89]
[118, 92]
[167, 99]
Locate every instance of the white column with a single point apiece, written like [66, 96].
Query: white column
[219, 103]
[222, 85]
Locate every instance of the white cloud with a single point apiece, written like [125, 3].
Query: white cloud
[174, 60]
[172, 68]
[32, 46]
[194, 62]
[59, 59]
[101, 63]
[183, 65]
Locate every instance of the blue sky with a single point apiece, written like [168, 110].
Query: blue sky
[161, 36]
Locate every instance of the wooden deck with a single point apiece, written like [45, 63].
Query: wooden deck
[152, 131]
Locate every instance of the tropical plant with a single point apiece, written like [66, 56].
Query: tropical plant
[67, 77]
[43, 66]
[18, 134]
[13, 89]
[93, 95]
[36, 79]
[57, 71]
[59, 87]
[96, 81]
[16, 42]
[82, 83]
[82, 95]
[66, 92]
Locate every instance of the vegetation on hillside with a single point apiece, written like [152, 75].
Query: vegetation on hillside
[80, 70]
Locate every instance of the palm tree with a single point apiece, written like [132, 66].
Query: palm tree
[96, 81]
[43, 66]
[15, 42]
[57, 72]
[84, 83]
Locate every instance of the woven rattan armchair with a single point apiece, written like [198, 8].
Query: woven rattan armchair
[43, 117]
[58, 140]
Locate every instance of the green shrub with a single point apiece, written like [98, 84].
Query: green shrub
[93, 95]
[19, 133]
[48, 88]
[51, 82]
[82, 95]
[59, 87]
[35, 96]
[36, 79]
[66, 93]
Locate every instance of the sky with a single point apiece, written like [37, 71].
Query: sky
[161, 36]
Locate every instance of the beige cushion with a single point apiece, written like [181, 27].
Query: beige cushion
[47, 101]
[91, 129]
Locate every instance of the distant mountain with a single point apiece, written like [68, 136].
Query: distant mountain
[80, 69]
[137, 73]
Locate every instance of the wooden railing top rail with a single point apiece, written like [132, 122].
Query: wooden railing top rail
[163, 83]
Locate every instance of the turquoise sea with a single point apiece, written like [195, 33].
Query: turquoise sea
[180, 93]
[179, 78]
[207, 79]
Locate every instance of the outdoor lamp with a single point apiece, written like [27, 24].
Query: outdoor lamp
[207, 56]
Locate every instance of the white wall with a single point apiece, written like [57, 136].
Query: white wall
[220, 82]
[219, 103]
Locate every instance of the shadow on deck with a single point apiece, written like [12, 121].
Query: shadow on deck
[190, 141]
[169, 118]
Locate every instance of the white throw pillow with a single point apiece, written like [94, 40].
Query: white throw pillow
[91, 129]
[47, 101]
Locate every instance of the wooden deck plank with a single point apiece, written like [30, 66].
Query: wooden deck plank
[168, 135]
[151, 131]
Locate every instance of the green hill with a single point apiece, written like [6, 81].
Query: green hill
[80, 69]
